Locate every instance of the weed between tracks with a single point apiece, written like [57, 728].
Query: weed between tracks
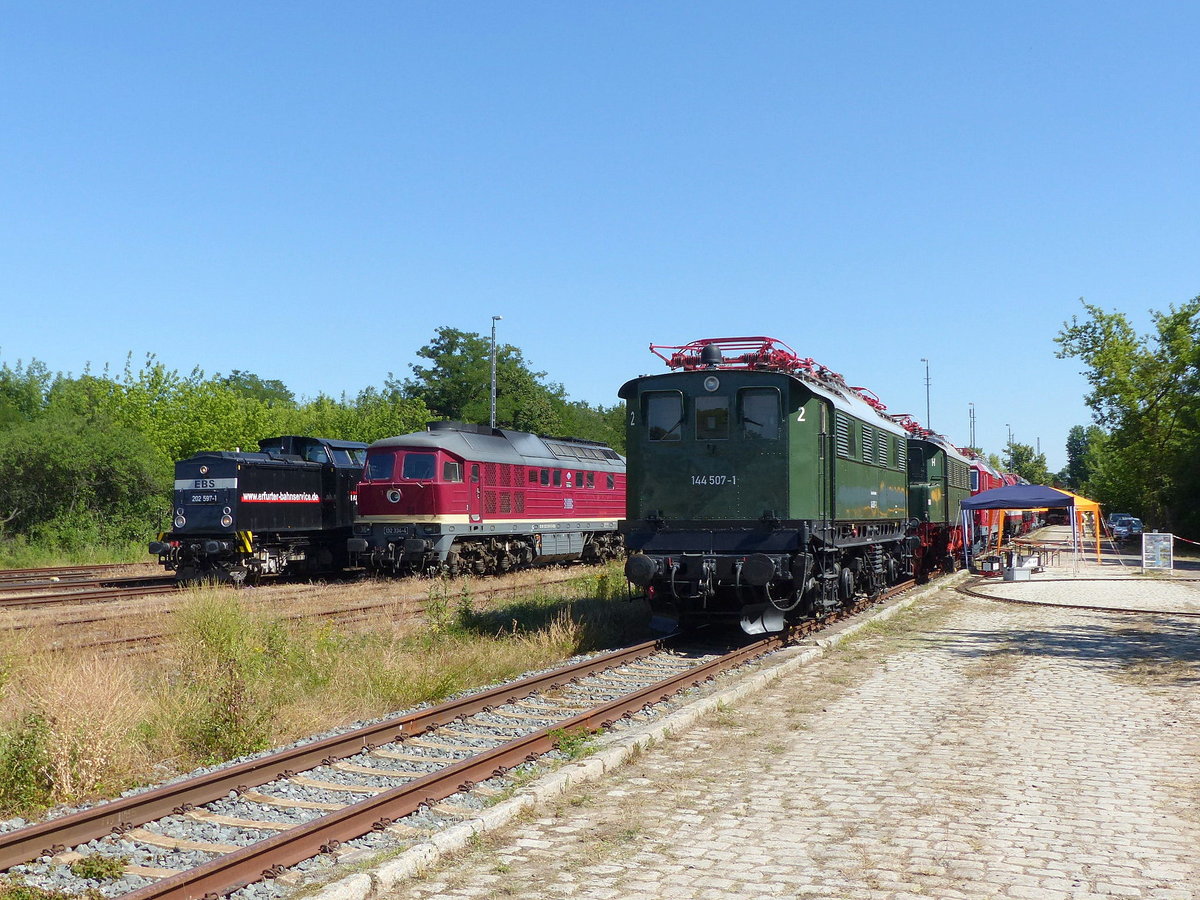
[235, 680]
[12, 888]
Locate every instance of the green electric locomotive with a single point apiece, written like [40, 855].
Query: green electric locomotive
[762, 488]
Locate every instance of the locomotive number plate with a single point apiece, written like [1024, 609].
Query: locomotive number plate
[205, 497]
[714, 480]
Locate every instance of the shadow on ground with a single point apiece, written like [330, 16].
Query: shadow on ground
[1166, 648]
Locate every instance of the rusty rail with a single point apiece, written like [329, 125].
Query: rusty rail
[47, 838]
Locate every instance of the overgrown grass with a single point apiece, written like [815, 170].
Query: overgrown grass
[575, 744]
[236, 681]
[21, 553]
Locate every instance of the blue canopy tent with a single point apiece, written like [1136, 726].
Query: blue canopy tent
[1026, 496]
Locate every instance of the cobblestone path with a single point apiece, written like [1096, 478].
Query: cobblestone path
[965, 749]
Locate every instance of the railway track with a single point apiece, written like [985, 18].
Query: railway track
[209, 835]
[79, 592]
[143, 640]
[970, 591]
[10, 578]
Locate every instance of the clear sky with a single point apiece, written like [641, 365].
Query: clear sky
[308, 190]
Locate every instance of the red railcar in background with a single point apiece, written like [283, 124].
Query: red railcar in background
[985, 522]
[460, 498]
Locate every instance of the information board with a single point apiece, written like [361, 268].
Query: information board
[1158, 551]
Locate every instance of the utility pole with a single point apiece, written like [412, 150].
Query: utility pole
[927, 421]
[972, 428]
[495, 319]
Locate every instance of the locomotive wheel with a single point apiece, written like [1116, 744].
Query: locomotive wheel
[846, 585]
[891, 571]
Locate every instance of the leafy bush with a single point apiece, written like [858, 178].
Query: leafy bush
[68, 481]
[25, 783]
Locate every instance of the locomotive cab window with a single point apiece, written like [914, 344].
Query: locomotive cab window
[316, 453]
[759, 413]
[452, 471]
[419, 466]
[663, 415]
[345, 457]
[380, 467]
[712, 418]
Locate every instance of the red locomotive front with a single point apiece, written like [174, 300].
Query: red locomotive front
[469, 498]
[985, 522]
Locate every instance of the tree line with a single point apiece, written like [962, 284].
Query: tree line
[87, 460]
[1142, 453]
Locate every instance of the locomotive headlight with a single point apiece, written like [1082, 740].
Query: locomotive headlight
[711, 383]
[227, 510]
[180, 521]
[226, 521]
[393, 496]
[179, 512]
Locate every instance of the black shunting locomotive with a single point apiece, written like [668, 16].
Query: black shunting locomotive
[286, 509]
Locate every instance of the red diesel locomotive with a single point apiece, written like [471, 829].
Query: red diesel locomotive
[460, 499]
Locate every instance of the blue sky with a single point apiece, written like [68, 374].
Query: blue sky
[308, 190]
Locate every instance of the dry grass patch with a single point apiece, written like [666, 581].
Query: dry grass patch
[236, 678]
[999, 662]
[1159, 672]
[65, 730]
[1157, 656]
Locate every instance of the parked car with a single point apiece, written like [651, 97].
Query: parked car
[1127, 529]
[1115, 519]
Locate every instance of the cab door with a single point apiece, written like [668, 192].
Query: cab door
[474, 493]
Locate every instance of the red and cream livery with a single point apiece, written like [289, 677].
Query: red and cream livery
[462, 498]
[986, 524]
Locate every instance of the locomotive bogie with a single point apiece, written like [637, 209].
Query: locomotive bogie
[764, 590]
[482, 549]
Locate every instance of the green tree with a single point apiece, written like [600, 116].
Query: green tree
[597, 423]
[457, 385]
[73, 480]
[1080, 440]
[372, 415]
[23, 391]
[272, 392]
[1145, 392]
[1026, 462]
[379, 414]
